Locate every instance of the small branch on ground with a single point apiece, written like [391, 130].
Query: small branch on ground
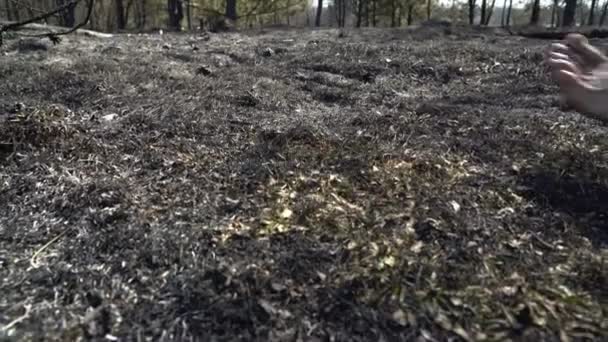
[53, 36]
[17, 320]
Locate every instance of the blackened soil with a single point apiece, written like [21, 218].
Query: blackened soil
[372, 185]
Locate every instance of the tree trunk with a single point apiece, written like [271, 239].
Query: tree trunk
[359, 13]
[410, 14]
[140, 14]
[604, 11]
[591, 20]
[471, 12]
[128, 11]
[503, 13]
[569, 13]
[534, 19]
[490, 13]
[189, 14]
[231, 10]
[400, 9]
[429, 6]
[7, 8]
[120, 14]
[344, 12]
[509, 12]
[553, 12]
[144, 13]
[367, 13]
[176, 14]
[342, 9]
[338, 6]
[482, 19]
[319, 13]
[393, 13]
[16, 15]
[67, 16]
[374, 21]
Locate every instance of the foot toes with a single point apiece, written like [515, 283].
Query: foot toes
[560, 66]
[559, 48]
[582, 95]
[561, 51]
[568, 80]
[576, 83]
[580, 46]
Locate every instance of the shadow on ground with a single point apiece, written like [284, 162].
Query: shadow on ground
[574, 185]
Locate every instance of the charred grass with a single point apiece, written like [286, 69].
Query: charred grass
[298, 185]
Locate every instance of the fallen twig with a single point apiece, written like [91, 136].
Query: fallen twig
[18, 319]
[53, 36]
[46, 245]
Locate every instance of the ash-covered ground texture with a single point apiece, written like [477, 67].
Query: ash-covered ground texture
[298, 185]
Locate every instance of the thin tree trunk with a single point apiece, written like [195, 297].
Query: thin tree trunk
[482, 19]
[128, 12]
[9, 14]
[307, 18]
[338, 6]
[340, 13]
[319, 13]
[67, 17]
[393, 13]
[120, 14]
[189, 14]
[535, 13]
[400, 8]
[367, 13]
[374, 22]
[144, 13]
[471, 12]
[429, 6]
[568, 18]
[591, 19]
[16, 15]
[141, 15]
[359, 13]
[604, 11]
[176, 14]
[344, 12]
[490, 13]
[553, 13]
[231, 10]
[410, 14]
[503, 13]
[509, 12]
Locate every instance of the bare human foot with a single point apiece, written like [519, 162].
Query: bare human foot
[581, 72]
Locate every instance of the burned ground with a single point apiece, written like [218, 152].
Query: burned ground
[375, 185]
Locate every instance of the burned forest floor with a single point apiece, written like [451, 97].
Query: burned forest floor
[298, 185]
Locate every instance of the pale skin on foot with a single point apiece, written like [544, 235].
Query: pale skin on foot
[581, 72]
